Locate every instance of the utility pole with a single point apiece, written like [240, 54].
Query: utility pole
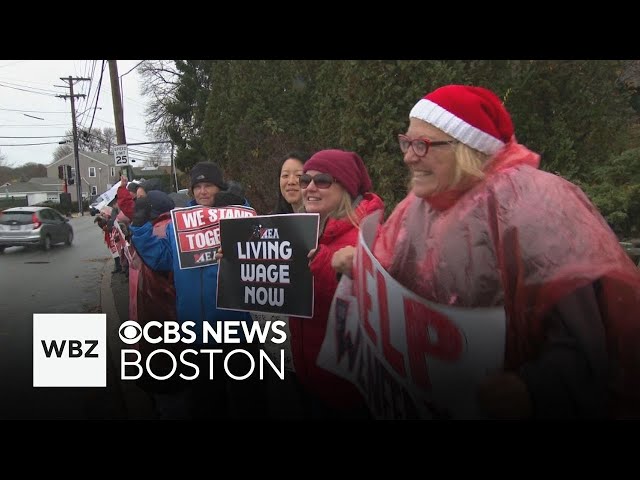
[117, 109]
[75, 133]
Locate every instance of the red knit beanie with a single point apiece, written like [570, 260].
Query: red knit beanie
[473, 115]
[346, 167]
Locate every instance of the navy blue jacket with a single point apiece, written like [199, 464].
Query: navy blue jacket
[196, 288]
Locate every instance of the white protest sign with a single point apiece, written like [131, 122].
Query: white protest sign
[409, 357]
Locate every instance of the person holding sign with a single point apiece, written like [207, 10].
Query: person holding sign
[196, 291]
[336, 185]
[126, 196]
[483, 227]
[290, 193]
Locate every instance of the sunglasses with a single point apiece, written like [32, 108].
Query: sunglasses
[421, 145]
[322, 180]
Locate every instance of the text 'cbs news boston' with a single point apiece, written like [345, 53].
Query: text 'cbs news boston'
[70, 350]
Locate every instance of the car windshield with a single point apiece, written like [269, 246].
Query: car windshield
[20, 217]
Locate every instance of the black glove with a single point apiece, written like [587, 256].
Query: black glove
[125, 229]
[142, 212]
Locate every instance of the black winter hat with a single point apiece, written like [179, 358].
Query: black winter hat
[207, 172]
[226, 198]
[160, 203]
[133, 186]
[153, 184]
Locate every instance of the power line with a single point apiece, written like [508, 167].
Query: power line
[73, 96]
[132, 69]
[12, 63]
[31, 111]
[27, 144]
[35, 126]
[97, 94]
[22, 84]
[50, 136]
[33, 90]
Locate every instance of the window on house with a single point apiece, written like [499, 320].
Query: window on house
[92, 171]
[112, 173]
[94, 190]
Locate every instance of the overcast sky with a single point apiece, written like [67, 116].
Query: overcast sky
[41, 79]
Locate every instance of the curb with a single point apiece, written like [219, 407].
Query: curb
[137, 403]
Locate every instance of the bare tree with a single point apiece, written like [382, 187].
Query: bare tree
[108, 139]
[90, 141]
[94, 141]
[161, 80]
[62, 151]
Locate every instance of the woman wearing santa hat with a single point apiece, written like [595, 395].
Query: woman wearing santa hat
[483, 227]
[336, 185]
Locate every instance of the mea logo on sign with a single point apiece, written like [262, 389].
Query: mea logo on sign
[69, 350]
[203, 257]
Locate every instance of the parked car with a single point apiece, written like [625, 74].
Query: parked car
[33, 225]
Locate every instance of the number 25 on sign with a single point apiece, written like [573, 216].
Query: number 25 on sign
[120, 152]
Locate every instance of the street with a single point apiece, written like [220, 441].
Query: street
[74, 279]
[66, 279]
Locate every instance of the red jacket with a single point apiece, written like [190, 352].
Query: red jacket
[126, 203]
[156, 293]
[307, 334]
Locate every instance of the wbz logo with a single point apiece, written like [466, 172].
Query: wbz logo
[69, 350]
[74, 349]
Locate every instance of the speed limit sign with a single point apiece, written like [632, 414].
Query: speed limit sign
[120, 153]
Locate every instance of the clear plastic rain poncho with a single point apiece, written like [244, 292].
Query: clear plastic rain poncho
[524, 239]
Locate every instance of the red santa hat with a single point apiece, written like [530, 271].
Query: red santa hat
[473, 115]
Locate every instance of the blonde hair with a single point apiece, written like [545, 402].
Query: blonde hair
[468, 168]
[344, 209]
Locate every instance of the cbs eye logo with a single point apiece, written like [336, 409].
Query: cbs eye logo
[130, 332]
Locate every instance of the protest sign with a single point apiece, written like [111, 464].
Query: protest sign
[265, 266]
[197, 232]
[409, 357]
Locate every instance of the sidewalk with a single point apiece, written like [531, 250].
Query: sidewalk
[114, 298]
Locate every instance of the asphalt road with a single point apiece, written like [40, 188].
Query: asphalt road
[75, 279]
[66, 279]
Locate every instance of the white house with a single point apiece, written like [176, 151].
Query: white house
[35, 190]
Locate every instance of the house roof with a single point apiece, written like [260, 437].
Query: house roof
[46, 181]
[104, 158]
[26, 187]
[151, 171]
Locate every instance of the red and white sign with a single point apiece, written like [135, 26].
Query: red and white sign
[409, 357]
[197, 232]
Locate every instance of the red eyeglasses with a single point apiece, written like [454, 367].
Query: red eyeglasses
[421, 145]
[322, 180]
